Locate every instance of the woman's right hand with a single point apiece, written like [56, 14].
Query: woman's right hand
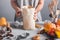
[18, 12]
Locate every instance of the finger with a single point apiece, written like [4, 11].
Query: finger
[35, 15]
[17, 14]
[35, 18]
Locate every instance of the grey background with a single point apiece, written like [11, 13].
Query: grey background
[7, 11]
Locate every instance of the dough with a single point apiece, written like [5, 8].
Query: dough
[28, 14]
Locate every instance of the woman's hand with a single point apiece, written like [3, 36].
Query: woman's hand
[18, 12]
[35, 16]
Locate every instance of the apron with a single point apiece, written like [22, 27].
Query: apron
[33, 3]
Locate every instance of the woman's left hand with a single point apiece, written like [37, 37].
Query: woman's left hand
[35, 16]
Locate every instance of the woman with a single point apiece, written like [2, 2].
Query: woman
[37, 4]
[53, 10]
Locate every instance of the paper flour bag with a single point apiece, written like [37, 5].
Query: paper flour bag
[28, 14]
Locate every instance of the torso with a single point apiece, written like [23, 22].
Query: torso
[33, 3]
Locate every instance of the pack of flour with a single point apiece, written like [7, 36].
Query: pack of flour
[28, 14]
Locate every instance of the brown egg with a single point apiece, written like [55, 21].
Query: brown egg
[37, 25]
[37, 37]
